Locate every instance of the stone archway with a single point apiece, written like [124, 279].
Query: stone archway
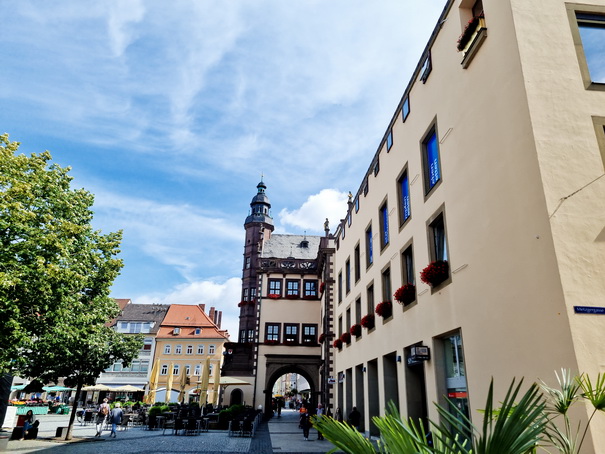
[278, 365]
[236, 397]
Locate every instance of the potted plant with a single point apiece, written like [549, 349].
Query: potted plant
[345, 337]
[355, 330]
[368, 321]
[435, 273]
[470, 30]
[337, 344]
[385, 309]
[405, 294]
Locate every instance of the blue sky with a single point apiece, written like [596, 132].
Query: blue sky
[169, 112]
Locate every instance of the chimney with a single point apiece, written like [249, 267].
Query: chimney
[202, 307]
[211, 314]
[219, 318]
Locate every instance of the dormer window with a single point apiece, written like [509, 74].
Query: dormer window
[304, 244]
[198, 331]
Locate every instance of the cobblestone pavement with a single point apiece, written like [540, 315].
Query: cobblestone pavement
[280, 435]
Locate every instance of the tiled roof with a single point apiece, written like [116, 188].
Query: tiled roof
[144, 313]
[122, 302]
[283, 246]
[188, 318]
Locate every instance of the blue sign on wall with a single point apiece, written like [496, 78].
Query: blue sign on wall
[589, 310]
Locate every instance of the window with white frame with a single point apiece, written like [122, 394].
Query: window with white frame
[211, 349]
[167, 349]
[178, 349]
[176, 369]
[197, 370]
[189, 349]
[200, 349]
[164, 369]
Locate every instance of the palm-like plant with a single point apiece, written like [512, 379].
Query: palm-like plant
[514, 428]
[565, 438]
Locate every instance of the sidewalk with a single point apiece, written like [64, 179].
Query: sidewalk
[280, 435]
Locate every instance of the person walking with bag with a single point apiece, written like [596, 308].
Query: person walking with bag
[102, 414]
[115, 418]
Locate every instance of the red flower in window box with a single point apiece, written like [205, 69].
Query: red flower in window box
[322, 338]
[355, 330]
[292, 297]
[273, 296]
[345, 338]
[271, 342]
[368, 321]
[469, 31]
[245, 303]
[406, 294]
[322, 287]
[337, 344]
[435, 273]
[385, 309]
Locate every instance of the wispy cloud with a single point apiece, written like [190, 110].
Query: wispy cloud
[318, 207]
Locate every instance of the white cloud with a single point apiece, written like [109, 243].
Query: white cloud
[224, 296]
[329, 203]
[121, 16]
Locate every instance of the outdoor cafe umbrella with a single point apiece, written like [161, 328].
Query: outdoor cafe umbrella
[128, 389]
[97, 387]
[183, 386]
[169, 384]
[153, 383]
[204, 383]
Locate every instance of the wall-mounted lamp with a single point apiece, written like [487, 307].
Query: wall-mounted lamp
[398, 358]
[363, 369]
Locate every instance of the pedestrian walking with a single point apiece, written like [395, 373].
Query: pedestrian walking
[115, 418]
[102, 414]
[354, 418]
[305, 422]
[319, 413]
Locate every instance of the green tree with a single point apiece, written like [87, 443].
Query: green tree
[55, 275]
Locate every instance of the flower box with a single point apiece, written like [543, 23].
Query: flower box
[435, 273]
[271, 342]
[355, 330]
[385, 309]
[470, 31]
[292, 297]
[337, 344]
[345, 338]
[322, 287]
[273, 296]
[245, 303]
[368, 321]
[406, 294]
[322, 338]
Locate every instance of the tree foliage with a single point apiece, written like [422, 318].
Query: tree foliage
[55, 274]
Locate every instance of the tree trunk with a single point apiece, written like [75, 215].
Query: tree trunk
[74, 409]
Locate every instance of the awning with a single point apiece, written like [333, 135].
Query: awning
[128, 389]
[53, 389]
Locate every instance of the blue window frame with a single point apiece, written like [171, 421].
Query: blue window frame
[389, 140]
[369, 247]
[404, 196]
[384, 225]
[432, 168]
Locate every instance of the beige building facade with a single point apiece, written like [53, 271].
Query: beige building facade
[491, 170]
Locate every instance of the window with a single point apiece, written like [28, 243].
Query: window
[599, 126]
[370, 293]
[309, 334]
[250, 335]
[197, 370]
[144, 366]
[366, 188]
[198, 331]
[389, 140]
[407, 266]
[291, 333]
[167, 349]
[357, 310]
[349, 219]
[430, 160]
[189, 350]
[292, 287]
[348, 317]
[588, 30]
[176, 369]
[340, 287]
[427, 67]
[348, 275]
[357, 258]
[369, 247]
[211, 349]
[387, 291]
[252, 294]
[384, 225]
[247, 263]
[275, 287]
[404, 198]
[310, 288]
[356, 204]
[437, 237]
[200, 349]
[210, 369]
[187, 369]
[147, 343]
[117, 367]
[164, 369]
[245, 295]
[376, 167]
[405, 109]
[178, 349]
[343, 231]
[272, 332]
[339, 326]
[242, 335]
